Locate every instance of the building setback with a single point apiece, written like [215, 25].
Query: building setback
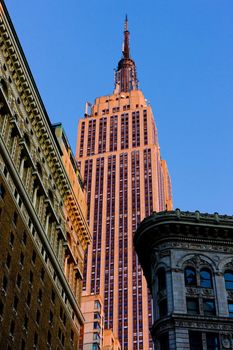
[43, 231]
[187, 259]
[125, 178]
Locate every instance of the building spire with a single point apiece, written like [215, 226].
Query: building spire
[126, 40]
[125, 75]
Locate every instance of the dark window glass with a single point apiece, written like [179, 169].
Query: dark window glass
[228, 275]
[230, 309]
[209, 307]
[192, 306]
[205, 278]
[2, 191]
[190, 276]
[212, 341]
[164, 342]
[163, 308]
[161, 279]
[195, 341]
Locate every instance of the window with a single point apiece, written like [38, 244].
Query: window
[195, 341]
[12, 327]
[25, 324]
[37, 316]
[164, 342]
[53, 296]
[15, 303]
[30, 278]
[42, 273]
[33, 256]
[192, 306]
[49, 338]
[40, 296]
[96, 325]
[97, 305]
[50, 317]
[228, 275]
[35, 339]
[2, 191]
[23, 344]
[15, 218]
[11, 239]
[28, 301]
[8, 261]
[190, 276]
[95, 346]
[1, 308]
[161, 279]
[230, 309]
[24, 239]
[209, 307]
[205, 278]
[18, 280]
[162, 308]
[4, 283]
[212, 341]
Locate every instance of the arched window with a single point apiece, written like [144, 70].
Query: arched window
[228, 275]
[190, 276]
[205, 278]
[4, 87]
[27, 140]
[161, 279]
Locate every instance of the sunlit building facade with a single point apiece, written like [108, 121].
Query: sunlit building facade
[126, 180]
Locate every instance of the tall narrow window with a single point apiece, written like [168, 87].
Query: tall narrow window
[192, 306]
[195, 341]
[228, 275]
[190, 276]
[205, 278]
[212, 341]
[209, 307]
[161, 279]
[230, 309]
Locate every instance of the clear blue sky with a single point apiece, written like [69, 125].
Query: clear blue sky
[183, 50]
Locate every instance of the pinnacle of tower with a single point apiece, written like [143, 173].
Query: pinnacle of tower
[126, 75]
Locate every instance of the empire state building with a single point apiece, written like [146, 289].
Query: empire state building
[126, 180]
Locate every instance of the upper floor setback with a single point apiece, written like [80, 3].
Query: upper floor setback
[119, 102]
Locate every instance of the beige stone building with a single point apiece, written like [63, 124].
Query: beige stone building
[43, 231]
[126, 180]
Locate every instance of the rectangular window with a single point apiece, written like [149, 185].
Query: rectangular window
[195, 341]
[209, 307]
[212, 341]
[230, 309]
[164, 342]
[192, 306]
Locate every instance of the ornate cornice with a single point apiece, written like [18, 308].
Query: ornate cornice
[178, 226]
[30, 97]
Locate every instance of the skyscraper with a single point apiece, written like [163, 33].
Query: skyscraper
[126, 180]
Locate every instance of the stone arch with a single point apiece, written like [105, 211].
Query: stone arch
[197, 260]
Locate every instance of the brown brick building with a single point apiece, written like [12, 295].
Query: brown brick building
[43, 232]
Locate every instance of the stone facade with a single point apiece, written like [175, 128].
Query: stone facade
[43, 231]
[187, 259]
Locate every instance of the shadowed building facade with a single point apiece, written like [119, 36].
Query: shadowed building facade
[187, 259]
[125, 178]
[43, 230]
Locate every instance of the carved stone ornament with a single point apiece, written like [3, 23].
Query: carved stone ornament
[229, 265]
[226, 341]
[196, 260]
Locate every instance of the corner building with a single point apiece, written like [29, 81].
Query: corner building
[187, 258]
[126, 180]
